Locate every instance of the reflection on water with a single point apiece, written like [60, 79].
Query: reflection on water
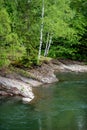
[59, 106]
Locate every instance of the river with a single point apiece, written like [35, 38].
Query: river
[59, 106]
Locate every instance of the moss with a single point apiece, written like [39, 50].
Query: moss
[44, 60]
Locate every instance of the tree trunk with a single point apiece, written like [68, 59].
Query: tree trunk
[46, 44]
[41, 31]
[50, 41]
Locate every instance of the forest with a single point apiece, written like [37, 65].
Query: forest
[32, 29]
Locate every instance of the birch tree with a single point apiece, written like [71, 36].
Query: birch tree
[50, 41]
[48, 44]
[45, 52]
[41, 31]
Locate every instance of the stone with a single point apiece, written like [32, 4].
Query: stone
[26, 100]
[16, 87]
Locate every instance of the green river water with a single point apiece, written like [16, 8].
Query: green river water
[59, 106]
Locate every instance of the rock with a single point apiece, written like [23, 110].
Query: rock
[16, 87]
[73, 68]
[3, 93]
[44, 74]
[49, 79]
[32, 82]
[26, 100]
[69, 66]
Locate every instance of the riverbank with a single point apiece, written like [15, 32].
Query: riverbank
[16, 81]
[69, 66]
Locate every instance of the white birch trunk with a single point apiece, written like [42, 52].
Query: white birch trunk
[41, 31]
[50, 41]
[46, 45]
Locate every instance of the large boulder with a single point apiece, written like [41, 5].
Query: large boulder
[16, 87]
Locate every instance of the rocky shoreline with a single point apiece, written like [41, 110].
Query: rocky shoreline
[17, 84]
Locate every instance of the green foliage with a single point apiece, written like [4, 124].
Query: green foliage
[12, 38]
[3, 58]
[29, 61]
[20, 23]
[25, 61]
[5, 28]
[4, 23]
[69, 27]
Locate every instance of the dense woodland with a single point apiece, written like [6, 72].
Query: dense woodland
[30, 29]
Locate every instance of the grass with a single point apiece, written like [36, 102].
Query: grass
[42, 58]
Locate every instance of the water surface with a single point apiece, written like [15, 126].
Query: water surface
[59, 106]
